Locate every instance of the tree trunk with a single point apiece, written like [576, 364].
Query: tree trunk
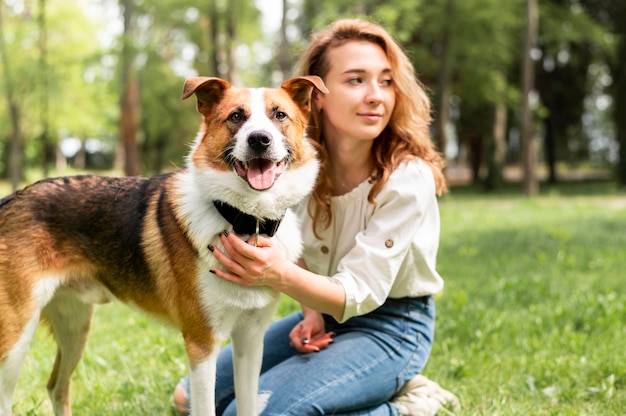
[497, 148]
[529, 140]
[619, 75]
[129, 122]
[129, 104]
[310, 10]
[550, 148]
[444, 83]
[230, 43]
[284, 55]
[212, 35]
[15, 146]
[47, 147]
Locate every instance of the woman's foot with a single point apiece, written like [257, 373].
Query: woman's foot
[423, 397]
[181, 398]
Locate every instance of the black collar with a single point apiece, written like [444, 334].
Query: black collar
[245, 223]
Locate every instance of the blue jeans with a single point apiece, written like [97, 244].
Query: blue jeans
[371, 357]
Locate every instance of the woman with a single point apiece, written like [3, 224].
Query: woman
[371, 233]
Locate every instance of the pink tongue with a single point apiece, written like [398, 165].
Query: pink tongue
[261, 174]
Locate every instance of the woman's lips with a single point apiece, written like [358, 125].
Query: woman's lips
[374, 117]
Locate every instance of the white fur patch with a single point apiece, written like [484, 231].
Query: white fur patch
[44, 290]
[202, 386]
[10, 369]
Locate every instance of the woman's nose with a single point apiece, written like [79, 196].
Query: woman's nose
[374, 94]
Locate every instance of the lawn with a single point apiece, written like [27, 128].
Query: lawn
[531, 322]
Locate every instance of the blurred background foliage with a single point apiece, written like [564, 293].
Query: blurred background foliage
[96, 84]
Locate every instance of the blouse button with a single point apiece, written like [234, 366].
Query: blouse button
[389, 243]
[324, 250]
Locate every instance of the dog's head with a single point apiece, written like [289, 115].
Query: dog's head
[252, 145]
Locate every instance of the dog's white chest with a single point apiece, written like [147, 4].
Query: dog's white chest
[227, 304]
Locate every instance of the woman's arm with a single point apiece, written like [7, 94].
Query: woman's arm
[263, 265]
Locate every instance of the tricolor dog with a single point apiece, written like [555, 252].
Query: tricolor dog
[69, 243]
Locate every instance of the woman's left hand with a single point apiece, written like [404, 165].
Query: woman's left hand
[247, 264]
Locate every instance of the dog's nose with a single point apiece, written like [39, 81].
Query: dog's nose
[259, 140]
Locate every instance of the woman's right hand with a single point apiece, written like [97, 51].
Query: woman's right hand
[310, 335]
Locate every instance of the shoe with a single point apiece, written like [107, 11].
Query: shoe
[421, 396]
[181, 404]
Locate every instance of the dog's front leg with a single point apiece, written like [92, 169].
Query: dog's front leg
[247, 357]
[202, 383]
[247, 344]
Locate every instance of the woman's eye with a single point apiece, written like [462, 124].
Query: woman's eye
[355, 81]
[386, 82]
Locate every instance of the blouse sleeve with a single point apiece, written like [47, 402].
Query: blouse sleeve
[369, 270]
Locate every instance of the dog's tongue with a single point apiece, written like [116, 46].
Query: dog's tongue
[262, 173]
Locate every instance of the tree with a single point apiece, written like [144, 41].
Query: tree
[443, 94]
[619, 74]
[529, 139]
[213, 38]
[226, 27]
[284, 59]
[129, 100]
[613, 14]
[15, 153]
[47, 147]
[48, 63]
[569, 43]
[484, 87]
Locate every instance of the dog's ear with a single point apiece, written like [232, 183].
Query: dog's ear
[209, 91]
[301, 88]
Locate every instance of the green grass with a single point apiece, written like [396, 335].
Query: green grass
[531, 322]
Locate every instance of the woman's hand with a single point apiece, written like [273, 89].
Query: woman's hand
[263, 264]
[310, 335]
[250, 264]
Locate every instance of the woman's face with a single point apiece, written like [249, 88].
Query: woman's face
[362, 95]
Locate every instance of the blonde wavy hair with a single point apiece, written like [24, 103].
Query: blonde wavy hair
[406, 136]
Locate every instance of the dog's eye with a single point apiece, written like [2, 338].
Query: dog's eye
[235, 117]
[281, 115]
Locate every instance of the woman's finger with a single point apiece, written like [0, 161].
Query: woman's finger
[237, 248]
[227, 261]
[231, 277]
[322, 341]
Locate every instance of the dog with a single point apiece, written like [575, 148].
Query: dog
[69, 243]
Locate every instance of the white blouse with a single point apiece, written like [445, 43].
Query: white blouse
[384, 250]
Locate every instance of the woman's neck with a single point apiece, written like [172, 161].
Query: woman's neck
[350, 166]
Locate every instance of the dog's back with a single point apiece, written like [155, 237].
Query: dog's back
[75, 228]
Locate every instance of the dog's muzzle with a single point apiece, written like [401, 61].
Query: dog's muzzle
[260, 170]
